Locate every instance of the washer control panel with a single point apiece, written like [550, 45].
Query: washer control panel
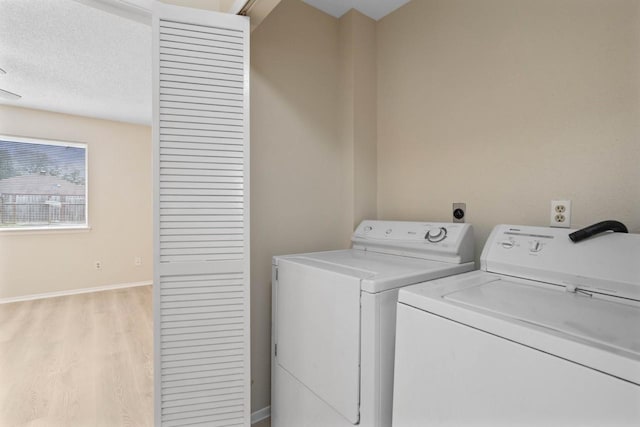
[606, 263]
[523, 241]
[535, 246]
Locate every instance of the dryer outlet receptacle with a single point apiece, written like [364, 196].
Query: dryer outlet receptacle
[459, 212]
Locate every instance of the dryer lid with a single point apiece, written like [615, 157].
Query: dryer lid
[378, 272]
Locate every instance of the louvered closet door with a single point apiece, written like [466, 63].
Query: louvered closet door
[201, 204]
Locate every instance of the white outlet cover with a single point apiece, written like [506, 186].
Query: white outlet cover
[560, 214]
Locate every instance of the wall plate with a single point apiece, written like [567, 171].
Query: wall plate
[560, 214]
[459, 212]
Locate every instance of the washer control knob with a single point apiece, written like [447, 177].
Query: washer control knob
[507, 244]
[535, 246]
[368, 228]
[436, 235]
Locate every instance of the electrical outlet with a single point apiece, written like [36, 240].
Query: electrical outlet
[560, 213]
[137, 261]
[459, 212]
[98, 265]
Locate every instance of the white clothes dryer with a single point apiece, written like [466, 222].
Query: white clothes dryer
[334, 320]
[546, 334]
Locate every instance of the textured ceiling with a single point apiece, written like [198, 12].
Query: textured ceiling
[63, 56]
[375, 9]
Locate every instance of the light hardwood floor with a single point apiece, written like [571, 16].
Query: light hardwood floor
[82, 360]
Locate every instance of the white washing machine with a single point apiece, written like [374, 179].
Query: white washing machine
[547, 333]
[334, 320]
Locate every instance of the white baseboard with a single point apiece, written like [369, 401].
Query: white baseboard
[74, 292]
[261, 414]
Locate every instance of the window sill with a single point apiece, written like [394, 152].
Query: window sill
[43, 230]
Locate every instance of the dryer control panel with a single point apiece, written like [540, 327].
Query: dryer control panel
[430, 240]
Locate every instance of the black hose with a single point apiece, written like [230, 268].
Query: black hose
[594, 229]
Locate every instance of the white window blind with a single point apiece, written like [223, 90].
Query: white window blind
[201, 166]
[43, 184]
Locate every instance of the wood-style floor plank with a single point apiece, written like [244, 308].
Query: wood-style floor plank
[81, 360]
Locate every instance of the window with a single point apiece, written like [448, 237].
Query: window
[43, 184]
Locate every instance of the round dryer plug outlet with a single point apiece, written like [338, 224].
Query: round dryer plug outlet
[459, 211]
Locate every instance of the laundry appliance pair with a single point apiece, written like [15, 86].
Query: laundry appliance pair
[547, 332]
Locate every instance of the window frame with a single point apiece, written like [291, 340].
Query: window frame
[48, 228]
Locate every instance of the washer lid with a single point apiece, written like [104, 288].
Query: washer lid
[597, 333]
[378, 272]
[604, 322]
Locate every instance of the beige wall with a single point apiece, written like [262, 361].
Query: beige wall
[506, 105]
[503, 105]
[119, 210]
[313, 147]
[298, 166]
[357, 73]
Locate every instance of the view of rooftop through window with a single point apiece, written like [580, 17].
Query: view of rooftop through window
[42, 184]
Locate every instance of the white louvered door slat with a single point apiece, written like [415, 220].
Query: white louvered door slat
[201, 218]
